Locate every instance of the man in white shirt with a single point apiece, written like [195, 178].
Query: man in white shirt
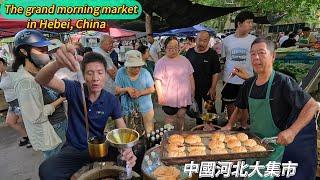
[106, 45]
[236, 51]
[154, 48]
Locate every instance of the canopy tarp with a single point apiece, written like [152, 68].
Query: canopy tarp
[121, 33]
[189, 31]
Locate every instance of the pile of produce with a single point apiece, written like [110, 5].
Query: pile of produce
[298, 71]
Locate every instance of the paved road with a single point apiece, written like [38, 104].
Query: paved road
[17, 163]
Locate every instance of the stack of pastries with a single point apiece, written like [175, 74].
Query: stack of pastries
[178, 146]
[220, 143]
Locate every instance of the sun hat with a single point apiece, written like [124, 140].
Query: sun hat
[133, 59]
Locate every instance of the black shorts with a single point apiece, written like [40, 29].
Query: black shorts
[230, 92]
[171, 110]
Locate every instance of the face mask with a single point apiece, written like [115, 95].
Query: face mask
[40, 59]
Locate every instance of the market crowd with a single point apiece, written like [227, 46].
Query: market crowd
[265, 102]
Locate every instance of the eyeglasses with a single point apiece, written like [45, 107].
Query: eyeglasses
[259, 53]
[172, 48]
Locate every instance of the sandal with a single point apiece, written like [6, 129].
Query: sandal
[23, 141]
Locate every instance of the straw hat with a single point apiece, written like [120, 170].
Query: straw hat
[133, 59]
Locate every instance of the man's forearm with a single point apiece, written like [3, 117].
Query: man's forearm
[234, 117]
[120, 123]
[214, 81]
[47, 73]
[306, 115]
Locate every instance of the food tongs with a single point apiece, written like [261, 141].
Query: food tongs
[269, 140]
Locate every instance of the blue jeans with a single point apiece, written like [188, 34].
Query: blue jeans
[68, 161]
[60, 129]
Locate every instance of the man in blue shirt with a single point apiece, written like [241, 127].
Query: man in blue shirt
[100, 105]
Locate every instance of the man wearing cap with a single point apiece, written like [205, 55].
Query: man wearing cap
[135, 86]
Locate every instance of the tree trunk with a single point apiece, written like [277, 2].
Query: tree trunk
[148, 24]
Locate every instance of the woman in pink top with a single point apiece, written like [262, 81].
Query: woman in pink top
[174, 83]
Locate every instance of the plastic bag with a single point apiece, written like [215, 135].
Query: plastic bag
[193, 110]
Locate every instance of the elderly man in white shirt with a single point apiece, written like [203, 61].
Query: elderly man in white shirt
[106, 45]
[154, 48]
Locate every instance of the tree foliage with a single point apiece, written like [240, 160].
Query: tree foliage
[296, 10]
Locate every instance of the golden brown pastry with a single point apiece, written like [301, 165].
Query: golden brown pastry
[192, 139]
[216, 144]
[250, 143]
[176, 154]
[257, 148]
[176, 139]
[166, 173]
[242, 137]
[230, 137]
[219, 151]
[196, 148]
[239, 149]
[218, 137]
[233, 143]
[197, 153]
[175, 147]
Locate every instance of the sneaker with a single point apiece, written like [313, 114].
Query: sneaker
[24, 141]
[29, 145]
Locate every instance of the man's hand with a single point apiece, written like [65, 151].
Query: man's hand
[65, 57]
[129, 157]
[112, 72]
[241, 73]
[286, 137]
[212, 93]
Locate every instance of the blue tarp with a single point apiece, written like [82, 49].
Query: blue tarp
[190, 31]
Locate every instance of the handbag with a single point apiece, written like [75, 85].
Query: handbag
[134, 120]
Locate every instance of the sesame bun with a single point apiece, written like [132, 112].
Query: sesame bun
[250, 143]
[175, 147]
[216, 144]
[176, 139]
[239, 149]
[242, 137]
[219, 151]
[257, 148]
[192, 139]
[166, 173]
[197, 153]
[196, 148]
[218, 137]
[176, 154]
[230, 137]
[233, 143]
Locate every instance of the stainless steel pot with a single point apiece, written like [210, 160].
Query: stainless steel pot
[98, 147]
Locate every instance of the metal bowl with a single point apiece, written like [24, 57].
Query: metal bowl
[123, 138]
